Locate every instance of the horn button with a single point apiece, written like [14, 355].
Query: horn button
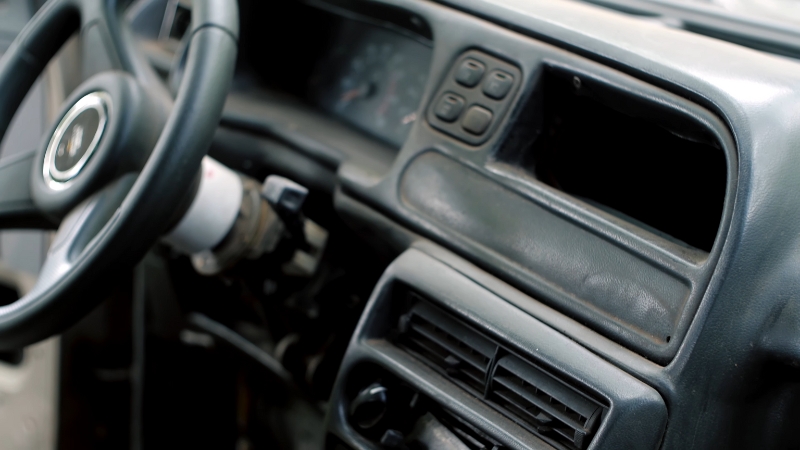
[107, 128]
[76, 138]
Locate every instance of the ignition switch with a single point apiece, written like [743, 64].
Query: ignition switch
[234, 217]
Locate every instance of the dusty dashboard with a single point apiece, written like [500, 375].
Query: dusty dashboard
[364, 73]
[579, 235]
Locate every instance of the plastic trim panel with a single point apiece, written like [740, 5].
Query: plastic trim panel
[637, 415]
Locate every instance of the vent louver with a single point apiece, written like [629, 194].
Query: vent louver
[544, 403]
[529, 395]
[449, 345]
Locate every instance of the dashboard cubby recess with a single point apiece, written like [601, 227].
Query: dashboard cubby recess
[624, 154]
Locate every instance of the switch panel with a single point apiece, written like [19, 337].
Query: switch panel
[474, 97]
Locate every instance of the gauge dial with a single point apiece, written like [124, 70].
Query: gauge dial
[374, 79]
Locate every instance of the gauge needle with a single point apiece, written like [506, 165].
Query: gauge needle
[352, 94]
[384, 106]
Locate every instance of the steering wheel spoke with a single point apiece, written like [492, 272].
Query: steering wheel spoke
[79, 229]
[103, 27]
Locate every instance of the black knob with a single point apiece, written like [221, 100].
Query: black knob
[286, 198]
[369, 406]
[284, 194]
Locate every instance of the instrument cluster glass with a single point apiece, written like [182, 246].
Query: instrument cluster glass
[373, 78]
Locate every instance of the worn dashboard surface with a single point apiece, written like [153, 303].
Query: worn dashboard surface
[588, 199]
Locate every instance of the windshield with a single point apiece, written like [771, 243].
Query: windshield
[781, 10]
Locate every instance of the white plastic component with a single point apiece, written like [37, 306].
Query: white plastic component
[213, 211]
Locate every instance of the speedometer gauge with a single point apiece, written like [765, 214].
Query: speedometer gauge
[374, 79]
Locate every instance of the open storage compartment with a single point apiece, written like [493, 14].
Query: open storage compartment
[621, 151]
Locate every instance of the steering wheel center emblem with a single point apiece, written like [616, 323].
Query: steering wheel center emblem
[76, 138]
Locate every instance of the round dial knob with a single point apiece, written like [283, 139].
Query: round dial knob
[369, 406]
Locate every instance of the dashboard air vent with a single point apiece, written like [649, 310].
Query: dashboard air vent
[451, 346]
[542, 403]
[550, 407]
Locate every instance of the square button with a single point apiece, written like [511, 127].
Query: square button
[449, 107]
[470, 72]
[476, 120]
[497, 84]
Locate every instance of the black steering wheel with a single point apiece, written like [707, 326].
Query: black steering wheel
[117, 165]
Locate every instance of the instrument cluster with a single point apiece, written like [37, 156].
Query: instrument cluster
[373, 78]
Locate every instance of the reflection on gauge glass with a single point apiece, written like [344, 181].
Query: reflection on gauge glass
[374, 79]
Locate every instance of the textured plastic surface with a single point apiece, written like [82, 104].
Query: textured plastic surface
[728, 378]
[666, 296]
[637, 414]
[634, 295]
[687, 269]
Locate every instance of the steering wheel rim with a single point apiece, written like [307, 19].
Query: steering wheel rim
[126, 195]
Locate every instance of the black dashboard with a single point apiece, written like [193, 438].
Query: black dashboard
[583, 206]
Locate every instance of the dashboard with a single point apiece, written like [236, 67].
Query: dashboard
[614, 234]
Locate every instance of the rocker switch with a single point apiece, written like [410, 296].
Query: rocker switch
[470, 72]
[476, 120]
[497, 84]
[449, 107]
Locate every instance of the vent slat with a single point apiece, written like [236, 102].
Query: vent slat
[479, 361]
[432, 349]
[480, 379]
[475, 378]
[567, 433]
[428, 314]
[529, 399]
[533, 413]
[531, 375]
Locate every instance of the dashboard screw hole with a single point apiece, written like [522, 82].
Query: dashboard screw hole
[576, 82]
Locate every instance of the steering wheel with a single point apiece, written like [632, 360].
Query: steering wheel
[117, 167]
